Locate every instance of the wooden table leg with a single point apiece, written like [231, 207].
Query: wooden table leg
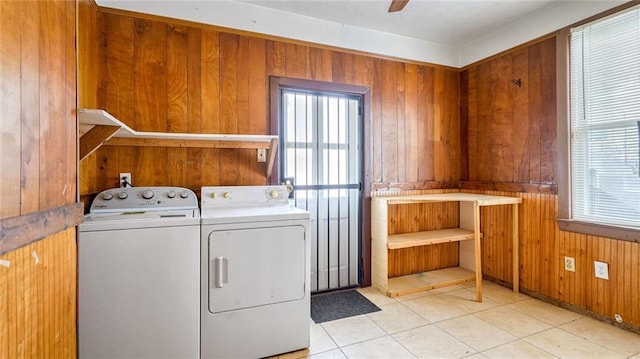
[477, 249]
[516, 250]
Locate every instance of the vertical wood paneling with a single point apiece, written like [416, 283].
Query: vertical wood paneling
[548, 126]
[501, 151]
[481, 161]
[120, 68]
[230, 79]
[402, 144]
[37, 300]
[10, 131]
[425, 123]
[542, 250]
[411, 144]
[38, 154]
[521, 147]
[520, 116]
[150, 75]
[389, 127]
[29, 129]
[535, 111]
[377, 96]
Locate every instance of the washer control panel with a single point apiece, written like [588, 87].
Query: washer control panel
[244, 195]
[144, 199]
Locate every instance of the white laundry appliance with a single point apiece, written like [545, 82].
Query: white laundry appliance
[255, 273]
[139, 275]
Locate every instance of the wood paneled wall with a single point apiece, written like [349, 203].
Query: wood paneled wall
[38, 139]
[511, 134]
[510, 129]
[542, 250]
[421, 217]
[183, 77]
[38, 299]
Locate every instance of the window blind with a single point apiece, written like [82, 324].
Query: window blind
[605, 120]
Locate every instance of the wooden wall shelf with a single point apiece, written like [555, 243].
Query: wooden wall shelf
[98, 127]
[468, 234]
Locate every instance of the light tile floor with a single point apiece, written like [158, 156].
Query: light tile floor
[448, 323]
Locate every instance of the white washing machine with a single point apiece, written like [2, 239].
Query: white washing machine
[139, 275]
[255, 273]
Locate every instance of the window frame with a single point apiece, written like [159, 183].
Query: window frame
[563, 92]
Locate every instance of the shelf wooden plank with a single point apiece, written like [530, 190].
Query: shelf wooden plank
[425, 238]
[99, 127]
[92, 117]
[481, 199]
[415, 283]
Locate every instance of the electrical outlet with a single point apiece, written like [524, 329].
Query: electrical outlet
[125, 180]
[618, 318]
[602, 270]
[262, 155]
[570, 264]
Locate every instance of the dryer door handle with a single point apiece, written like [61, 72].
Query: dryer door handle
[220, 268]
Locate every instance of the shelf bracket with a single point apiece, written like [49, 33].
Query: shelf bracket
[94, 138]
[273, 148]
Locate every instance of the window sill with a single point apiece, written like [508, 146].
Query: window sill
[600, 230]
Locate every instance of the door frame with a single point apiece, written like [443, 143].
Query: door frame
[276, 84]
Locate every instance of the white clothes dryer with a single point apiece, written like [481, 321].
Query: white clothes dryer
[255, 273]
[139, 274]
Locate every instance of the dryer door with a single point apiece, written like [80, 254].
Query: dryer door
[255, 266]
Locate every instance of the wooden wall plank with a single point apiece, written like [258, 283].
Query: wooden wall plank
[411, 137]
[501, 151]
[535, 111]
[150, 75]
[10, 126]
[119, 85]
[548, 126]
[39, 321]
[521, 120]
[229, 74]
[425, 123]
[389, 125]
[29, 131]
[484, 117]
[177, 78]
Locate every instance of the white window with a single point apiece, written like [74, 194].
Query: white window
[605, 120]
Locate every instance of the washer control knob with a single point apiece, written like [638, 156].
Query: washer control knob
[214, 195]
[107, 196]
[171, 194]
[147, 194]
[273, 194]
[226, 195]
[123, 195]
[184, 194]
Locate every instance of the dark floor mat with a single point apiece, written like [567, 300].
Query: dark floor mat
[337, 305]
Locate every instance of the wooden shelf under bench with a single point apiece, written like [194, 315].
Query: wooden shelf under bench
[467, 233]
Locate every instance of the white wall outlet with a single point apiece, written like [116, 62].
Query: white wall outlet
[125, 180]
[618, 318]
[570, 264]
[262, 155]
[602, 270]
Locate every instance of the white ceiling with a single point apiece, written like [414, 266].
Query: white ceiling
[447, 22]
[448, 32]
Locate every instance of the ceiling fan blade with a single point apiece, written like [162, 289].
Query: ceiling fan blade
[397, 5]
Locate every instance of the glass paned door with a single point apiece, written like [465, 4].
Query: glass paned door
[321, 156]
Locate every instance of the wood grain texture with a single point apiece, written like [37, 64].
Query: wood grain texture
[38, 300]
[166, 76]
[37, 104]
[511, 131]
[542, 250]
